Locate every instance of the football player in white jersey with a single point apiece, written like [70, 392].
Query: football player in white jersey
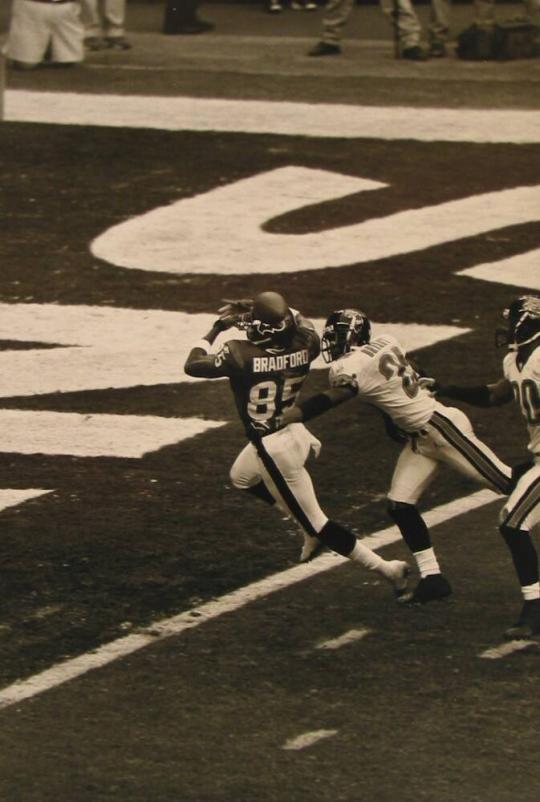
[376, 370]
[266, 372]
[521, 370]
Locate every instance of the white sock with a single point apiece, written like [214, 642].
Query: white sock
[426, 562]
[368, 558]
[531, 592]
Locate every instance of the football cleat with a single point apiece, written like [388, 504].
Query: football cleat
[430, 588]
[528, 624]
[398, 576]
[311, 549]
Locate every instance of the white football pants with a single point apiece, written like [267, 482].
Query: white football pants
[447, 438]
[278, 460]
[522, 509]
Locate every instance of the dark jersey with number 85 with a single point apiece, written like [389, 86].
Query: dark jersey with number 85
[263, 382]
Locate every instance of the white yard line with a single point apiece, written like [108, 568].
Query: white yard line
[263, 117]
[344, 640]
[10, 497]
[507, 648]
[308, 739]
[109, 652]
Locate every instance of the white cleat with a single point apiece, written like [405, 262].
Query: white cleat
[398, 576]
[312, 548]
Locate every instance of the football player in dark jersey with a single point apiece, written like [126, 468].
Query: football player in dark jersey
[521, 512]
[266, 372]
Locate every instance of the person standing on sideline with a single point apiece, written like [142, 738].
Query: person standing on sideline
[104, 23]
[181, 18]
[44, 32]
[404, 20]
[377, 371]
[266, 373]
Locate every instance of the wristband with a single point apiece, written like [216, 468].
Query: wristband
[203, 345]
[315, 406]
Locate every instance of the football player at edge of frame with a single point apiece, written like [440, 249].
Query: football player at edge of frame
[266, 373]
[521, 512]
[376, 371]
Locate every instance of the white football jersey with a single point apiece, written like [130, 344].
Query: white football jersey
[526, 385]
[386, 379]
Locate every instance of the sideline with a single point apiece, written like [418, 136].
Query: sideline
[272, 117]
[166, 628]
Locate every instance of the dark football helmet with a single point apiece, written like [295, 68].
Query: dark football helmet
[270, 322]
[343, 330]
[523, 317]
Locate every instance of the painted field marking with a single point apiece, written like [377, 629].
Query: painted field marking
[102, 656]
[519, 271]
[73, 434]
[11, 497]
[275, 117]
[193, 233]
[507, 648]
[308, 739]
[351, 636]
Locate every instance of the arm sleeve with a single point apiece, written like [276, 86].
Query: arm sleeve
[322, 402]
[478, 395]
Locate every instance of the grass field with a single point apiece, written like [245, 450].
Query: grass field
[141, 661]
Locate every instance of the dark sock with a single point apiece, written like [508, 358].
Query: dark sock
[337, 538]
[523, 553]
[411, 525]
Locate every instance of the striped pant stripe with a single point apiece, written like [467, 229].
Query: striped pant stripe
[471, 451]
[524, 506]
[284, 490]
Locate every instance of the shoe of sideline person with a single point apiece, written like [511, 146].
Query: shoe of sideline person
[324, 49]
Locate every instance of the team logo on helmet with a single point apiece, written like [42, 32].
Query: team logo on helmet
[523, 317]
[343, 330]
[267, 334]
[269, 323]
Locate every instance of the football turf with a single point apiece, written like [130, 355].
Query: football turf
[413, 708]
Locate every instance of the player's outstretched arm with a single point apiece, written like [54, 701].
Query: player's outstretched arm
[481, 395]
[318, 404]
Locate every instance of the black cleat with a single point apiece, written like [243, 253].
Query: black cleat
[430, 588]
[528, 624]
[311, 549]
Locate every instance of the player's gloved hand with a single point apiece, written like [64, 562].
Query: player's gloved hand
[290, 414]
[429, 384]
[235, 306]
[264, 427]
[225, 322]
